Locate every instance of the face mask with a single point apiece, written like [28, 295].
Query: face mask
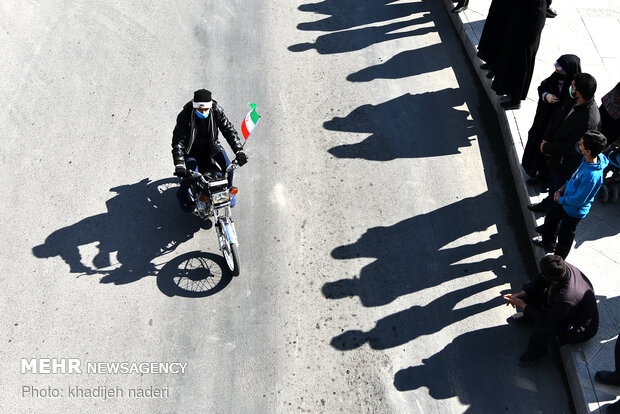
[201, 116]
[570, 92]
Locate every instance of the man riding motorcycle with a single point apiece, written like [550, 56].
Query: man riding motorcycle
[195, 143]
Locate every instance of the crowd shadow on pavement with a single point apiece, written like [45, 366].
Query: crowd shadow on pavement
[143, 222]
[473, 366]
[410, 126]
[411, 255]
[357, 39]
[346, 14]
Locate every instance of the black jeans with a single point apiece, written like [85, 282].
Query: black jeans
[560, 226]
[565, 333]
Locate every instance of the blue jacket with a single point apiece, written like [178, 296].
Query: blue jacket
[580, 190]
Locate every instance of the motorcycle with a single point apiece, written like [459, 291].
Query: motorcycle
[211, 197]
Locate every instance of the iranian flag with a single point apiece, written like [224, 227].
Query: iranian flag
[250, 121]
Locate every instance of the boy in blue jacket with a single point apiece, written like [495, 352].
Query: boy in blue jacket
[574, 199]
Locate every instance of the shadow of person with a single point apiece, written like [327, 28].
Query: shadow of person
[407, 325]
[357, 39]
[143, 222]
[414, 254]
[410, 126]
[346, 14]
[194, 275]
[404, 64]
[480, 368]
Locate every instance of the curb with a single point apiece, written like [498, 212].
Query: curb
[573, 358]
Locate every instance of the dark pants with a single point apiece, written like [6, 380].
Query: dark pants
[617, 354]
[560, 226]
[195, 165]
[565, 333]
[556, 181]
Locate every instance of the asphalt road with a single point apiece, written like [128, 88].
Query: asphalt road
[377, 218]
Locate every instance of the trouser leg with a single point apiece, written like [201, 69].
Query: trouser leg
[566, 234]
[539, 339]
[617, 354]
[223, 162]
[552, 224]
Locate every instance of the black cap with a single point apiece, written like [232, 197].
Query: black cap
[202, 95]
[553, 267]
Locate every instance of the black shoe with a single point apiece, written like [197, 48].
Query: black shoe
[608, 377]
[614, 408]
[539, 229]
[518, 319]
[533, 180]
[538, 241]
[538, 208]
[505, 98]
[490, 74]
[551, 13]
[529, 358]
[485, 66]
[461, 6]
[511, 105]
[206, 224]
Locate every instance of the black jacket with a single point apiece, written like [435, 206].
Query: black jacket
[571, 302]
[184, 134]
[563, 135]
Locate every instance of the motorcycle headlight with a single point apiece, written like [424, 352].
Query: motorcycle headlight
[219, 198]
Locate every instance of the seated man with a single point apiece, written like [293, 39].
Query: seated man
[195, 139]
[559, 302]
[574, 199]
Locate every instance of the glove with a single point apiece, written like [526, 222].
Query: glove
[241, 158]
[180, 170]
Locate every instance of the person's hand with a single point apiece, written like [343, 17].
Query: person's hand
[551, 98]
[180, 170]
[242, 158]
[515, 300]
[542, 143]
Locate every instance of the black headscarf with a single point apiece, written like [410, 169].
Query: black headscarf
[571, 64]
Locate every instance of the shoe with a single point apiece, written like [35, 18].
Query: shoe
[518, 319]
[533, 180]
[538, 241]
[490, 74]
[485, 66]
[614, 408]
[529, 358]
[508, 106]
[461, 6]
[608, 377]
[539, 229]
[551, 13]
[206, 224]
[538, 208]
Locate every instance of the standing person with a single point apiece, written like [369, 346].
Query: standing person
[574, 199]
[610, 114]
[552, 94]
[493, 32]
[560, 302]
[612, 378]
[515, 65]
[195, 143]
[565, 129]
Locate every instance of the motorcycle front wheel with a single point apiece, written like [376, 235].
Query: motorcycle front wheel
[230, 252]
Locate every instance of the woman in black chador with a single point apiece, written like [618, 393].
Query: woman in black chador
[515, 64]
[493, 33]
[552, 93]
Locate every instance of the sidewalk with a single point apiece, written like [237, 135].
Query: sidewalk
[590, 30]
